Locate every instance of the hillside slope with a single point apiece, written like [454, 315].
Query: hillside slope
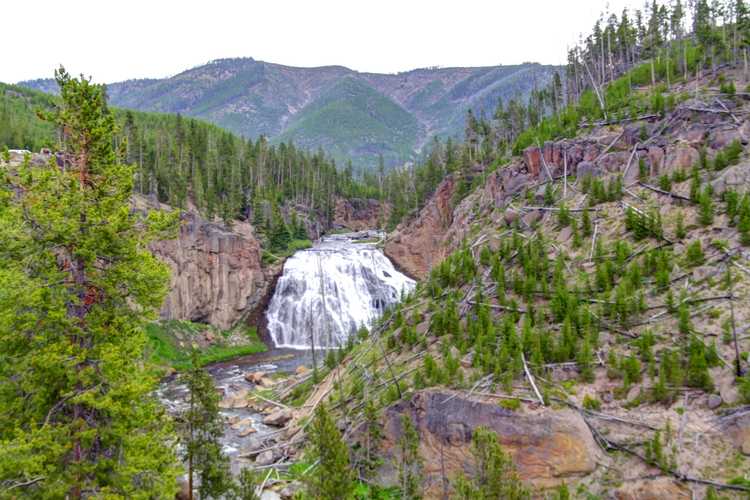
[588, 302]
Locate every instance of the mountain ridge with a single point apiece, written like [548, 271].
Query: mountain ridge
[250, 98]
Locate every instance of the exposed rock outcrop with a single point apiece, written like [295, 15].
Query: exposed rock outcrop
[547, 445]
[416, 247]
[437, 230]
[662, 488]
[216, 274]
[360, 214]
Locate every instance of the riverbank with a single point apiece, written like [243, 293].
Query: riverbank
[170, 343]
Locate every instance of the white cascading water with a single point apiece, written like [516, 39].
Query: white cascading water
[358, 280]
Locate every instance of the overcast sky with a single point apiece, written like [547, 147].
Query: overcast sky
[115, 41]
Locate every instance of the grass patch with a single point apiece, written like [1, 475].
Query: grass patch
[270, 258]
[165, 349]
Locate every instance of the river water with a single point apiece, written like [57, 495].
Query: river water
[229, 377]
[358, 282]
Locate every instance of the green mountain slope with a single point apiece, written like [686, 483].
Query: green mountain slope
[354, 121]
[393, 115]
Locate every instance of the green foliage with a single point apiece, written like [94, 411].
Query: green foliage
[563, 216]
[720, 161]
[696, 374]
[281, 238]
[367, 450]
[200, 429]
[727, 87]
[592, 403]
[562, 492]
[511, 404]
[643, 225]
[643, 171]
[694, 254]
[166, 350]
[549, 194]
[643, 133]
[408, 462]
[665, 182]
[705, 208]
[333, 477]
[247, 485]
[680, 231]
[495, 474]
[733, 152]
[77, 279]
[18, 129]
[586, 230]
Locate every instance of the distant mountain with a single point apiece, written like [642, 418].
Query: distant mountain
[353, 115]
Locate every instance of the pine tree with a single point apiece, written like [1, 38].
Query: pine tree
[77, 281]
[300, 232]
[563, 216]
[370, 461]
[246, 487]
[408, 461]
[585, 358]
[586, 221]
[201, 429]
[680, 231]
[334, 478]
[495, 474]
[705, 208]
[281, 237]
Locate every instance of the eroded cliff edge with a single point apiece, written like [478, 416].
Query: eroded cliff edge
[217, 275]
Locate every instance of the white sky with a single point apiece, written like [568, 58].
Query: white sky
[115, 41]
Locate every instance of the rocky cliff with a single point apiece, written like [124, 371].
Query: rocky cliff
[430, 237]
[360, 214]
[217, 275]
[664, 145]
[547, 445]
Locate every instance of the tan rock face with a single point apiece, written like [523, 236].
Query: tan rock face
[546, 446]
[420, 245]
[662, 488]
[360, 214]
[682, 157]
[216, 274]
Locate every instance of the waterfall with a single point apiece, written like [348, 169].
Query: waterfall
[359, 282]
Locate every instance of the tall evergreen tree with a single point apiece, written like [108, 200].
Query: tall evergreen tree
[201, 429]
[334, 479]
[495, 474]
[408, 461]
[76, 285]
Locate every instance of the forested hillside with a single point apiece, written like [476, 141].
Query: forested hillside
[355, 116]
[188, 163]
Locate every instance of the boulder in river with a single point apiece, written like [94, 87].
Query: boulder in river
[241, 423]
[246, 430]
[265, 458]
[278, 418]
[235, 400]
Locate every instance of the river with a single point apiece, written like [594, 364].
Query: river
[358, 282]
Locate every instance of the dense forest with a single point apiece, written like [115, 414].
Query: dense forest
[190, 164]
